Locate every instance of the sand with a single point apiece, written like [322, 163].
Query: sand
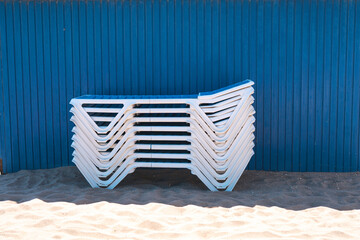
[167, 204]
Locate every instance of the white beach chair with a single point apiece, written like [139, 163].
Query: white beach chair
[210, 134]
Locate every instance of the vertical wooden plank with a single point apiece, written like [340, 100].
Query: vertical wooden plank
[55, 84]
[163, 48]
[252, 7]
[289, 85]
[297, 86]
[229, 68]
[326, 87]
[268, 104]
[312, 88]
[274, 121]
[260, 85]
[27, 133]
[90, 42]
[355, 141]
[13, 145]
[222, 60]
[76, 48]
[98, 48]
[49, 79]
[239, 29]
[178, 47]
[334, 71]
[134, 48]
[349, 71]
[342, 83]
[245, 31]
[63, 102]
[12, 86]
[186, 46]
[19, 88]
[104, 13]
[149, 47]
[207, 44]
[127, 47]
[39, 38]
[5, 79]
[320, 39]
[156, 46]
[304, 85]
[2, 59]
[193, 65]
[119, 48]
[200, 45]
[171, 47]
[141, 47]
[112, 47]
[281, 114]
[83, 56]
[215, 42]
[69, 81]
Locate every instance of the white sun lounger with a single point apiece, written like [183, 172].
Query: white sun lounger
[210, 134]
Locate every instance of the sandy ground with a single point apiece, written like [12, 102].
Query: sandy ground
[167, 204]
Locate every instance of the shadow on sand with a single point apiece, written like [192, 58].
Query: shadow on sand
[293, 191]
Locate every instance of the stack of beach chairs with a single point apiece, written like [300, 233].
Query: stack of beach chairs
[211, 134]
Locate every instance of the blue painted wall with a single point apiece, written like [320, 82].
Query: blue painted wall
[303, 55]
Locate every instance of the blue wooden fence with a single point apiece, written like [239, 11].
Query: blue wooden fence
[303, 55]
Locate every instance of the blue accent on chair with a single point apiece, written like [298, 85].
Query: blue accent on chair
[224, 88]
[136, 96]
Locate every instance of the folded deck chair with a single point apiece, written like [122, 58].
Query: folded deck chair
[211, 134]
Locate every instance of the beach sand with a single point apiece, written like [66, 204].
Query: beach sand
[166, 204]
